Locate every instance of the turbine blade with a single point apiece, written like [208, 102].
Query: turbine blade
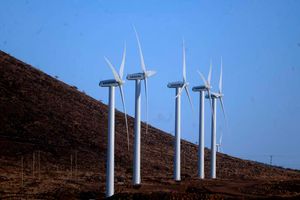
[202, 77]
[221, 137]
[140, 51]
[146, 94]
[224, 113]
[210, 102]
[221, 74]
[116, 75]
[124, 109]
[223, 109]
[209, 73]
[123, 62]
[184, 63]
[189, 97]
[150, 73]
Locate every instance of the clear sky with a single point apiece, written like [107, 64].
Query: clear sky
[258, 39]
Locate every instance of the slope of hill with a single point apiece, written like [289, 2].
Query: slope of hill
[53, 145]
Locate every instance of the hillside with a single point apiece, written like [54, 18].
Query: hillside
[56, 137]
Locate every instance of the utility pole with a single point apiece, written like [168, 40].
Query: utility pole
[76, 164]
[33, 160]
[271, 159]
[22, 170]
[39, 160]
[71, 159]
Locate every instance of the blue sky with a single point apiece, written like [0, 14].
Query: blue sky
[259, 41]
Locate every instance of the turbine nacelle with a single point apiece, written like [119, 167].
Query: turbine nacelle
[201, 88]
[215, 95]
[140, 76]
[177, 84]
[109, 83]
[136, 76]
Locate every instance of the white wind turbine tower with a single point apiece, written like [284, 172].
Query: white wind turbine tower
[202, 89]
[214, 97]
[111, 84]
[180, 86]
[138, 77]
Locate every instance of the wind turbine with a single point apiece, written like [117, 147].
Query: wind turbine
[138, 77]
[179, 86]
[219, 95]
[219, 145]
[202, 89]
[111, 84]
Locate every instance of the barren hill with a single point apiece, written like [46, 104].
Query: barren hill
[53, 146]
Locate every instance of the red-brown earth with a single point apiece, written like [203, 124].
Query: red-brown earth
[53, 146]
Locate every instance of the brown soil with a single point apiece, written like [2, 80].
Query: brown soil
[61, 134]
